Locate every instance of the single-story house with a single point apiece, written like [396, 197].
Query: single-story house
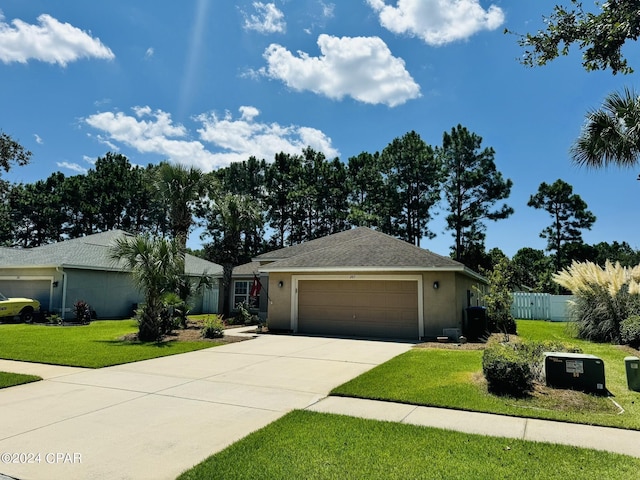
[361, 282]
[59, 274]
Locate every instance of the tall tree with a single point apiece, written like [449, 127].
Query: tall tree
[611, 134]
[533, 269]
[281, 180]
[615, 252]
[602, 35]
[11, 153]
[472, 187]
[569, 213]
[319, 197]
[112, 181]
[365, 189]
[248, 178]
[230, 221]
[38, 215]
[413, 178]
[180, 187]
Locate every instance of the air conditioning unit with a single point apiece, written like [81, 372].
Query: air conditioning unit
[453, 334]
[576, 371]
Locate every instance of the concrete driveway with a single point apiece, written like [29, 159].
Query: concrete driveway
[156, 418]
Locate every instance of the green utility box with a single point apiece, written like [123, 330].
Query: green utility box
[632, 364]
[575, 371]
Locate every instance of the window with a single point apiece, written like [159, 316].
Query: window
[241, 291]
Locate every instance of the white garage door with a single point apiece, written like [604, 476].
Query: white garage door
[367, 308]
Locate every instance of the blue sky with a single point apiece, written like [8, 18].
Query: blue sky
[208, 82]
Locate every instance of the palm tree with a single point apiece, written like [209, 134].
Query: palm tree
[231, 216]
[156, 264]
[180, 187]
[611, 134]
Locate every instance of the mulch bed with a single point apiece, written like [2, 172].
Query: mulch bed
[190, 334]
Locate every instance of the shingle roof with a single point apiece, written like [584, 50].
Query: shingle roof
[360, 248]
[246, 269]
[89, 252]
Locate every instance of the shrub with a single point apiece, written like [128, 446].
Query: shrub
[506, 371]
[82, 311]
[630, 331]
[533, 353]
[604, 296]
[213, 327]
[177, 309]
[244, 315]
[498, 299]
[513, 368]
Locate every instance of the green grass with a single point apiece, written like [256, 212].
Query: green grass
[94, 346]
[308, 445]
[12, 379]
[453, 379]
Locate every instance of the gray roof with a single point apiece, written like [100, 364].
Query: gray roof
[358, 249]
[90, 252]
[246, 269]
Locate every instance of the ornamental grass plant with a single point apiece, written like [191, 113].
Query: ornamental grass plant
[604, 297]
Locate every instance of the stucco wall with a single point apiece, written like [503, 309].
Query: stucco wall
[110, 294]
[439, 304]
[279, 308]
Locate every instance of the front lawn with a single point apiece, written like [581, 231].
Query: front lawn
[96, 345]
[453, 379]
[12, 379]
[313, 445]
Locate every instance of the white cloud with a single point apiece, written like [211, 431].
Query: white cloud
[50, 41]
[327, 9]
[38, 138]
[267, 19]
[438, 22]
[360, 67]
[72, 166]
[243, 137]
[149, 131]
[149, 53]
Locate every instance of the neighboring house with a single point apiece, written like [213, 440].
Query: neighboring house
[59, 274]
[361, 282]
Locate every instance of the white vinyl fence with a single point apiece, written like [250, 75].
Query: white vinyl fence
[541, 306]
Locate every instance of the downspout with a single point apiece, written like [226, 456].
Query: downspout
[64, 291]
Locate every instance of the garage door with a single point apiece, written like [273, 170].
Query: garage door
[367, 308]
[38, 289]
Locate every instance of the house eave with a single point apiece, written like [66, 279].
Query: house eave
[343, 269]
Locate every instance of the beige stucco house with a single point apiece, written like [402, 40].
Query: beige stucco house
[361, 282]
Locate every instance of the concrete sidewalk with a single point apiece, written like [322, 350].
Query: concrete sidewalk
[600, 438]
